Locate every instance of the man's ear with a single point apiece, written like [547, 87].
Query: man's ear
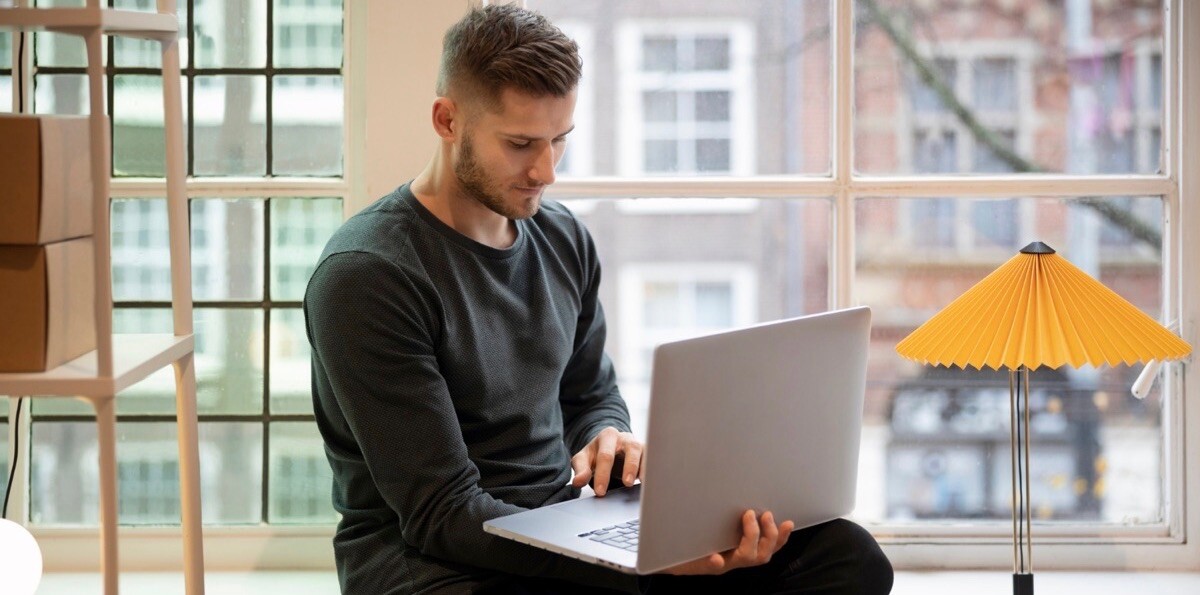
[447, 118]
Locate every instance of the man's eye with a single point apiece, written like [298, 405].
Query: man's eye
[517, 145]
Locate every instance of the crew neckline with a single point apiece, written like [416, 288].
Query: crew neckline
[406, 194]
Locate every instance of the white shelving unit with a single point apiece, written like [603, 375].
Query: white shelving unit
[121, 360]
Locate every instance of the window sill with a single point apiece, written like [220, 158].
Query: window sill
[907, 583]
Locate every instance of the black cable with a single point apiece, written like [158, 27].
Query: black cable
[20, 72]
[16, 429]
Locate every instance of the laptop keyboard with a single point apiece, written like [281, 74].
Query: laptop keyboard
[623, 535]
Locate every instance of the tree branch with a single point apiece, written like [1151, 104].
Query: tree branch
[1122, 218]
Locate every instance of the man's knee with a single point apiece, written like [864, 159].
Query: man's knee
[871, 566]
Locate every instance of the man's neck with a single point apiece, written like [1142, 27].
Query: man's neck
[438, 191]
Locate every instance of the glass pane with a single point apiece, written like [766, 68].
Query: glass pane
[56, 49]
[921, 72]
[936, 440]
[141, 259]
[308, 35]
[227, 248]
[307, 125]
[301, 480]
[231, 34]
[712, 53]
[139, 145]
[228, 122]
[291, 372]
[61, 94]
[995, 85]
[140, 53]
[6, 93]
[299, 229]
[6, 55]
[675, 268]
[752, 77]
[64, 474]
[229, 360]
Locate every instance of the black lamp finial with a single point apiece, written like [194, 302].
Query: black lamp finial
[1037, 248]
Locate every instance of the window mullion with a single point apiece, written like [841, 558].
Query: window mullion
[841, 285]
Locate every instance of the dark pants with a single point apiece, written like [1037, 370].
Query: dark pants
[835, 557]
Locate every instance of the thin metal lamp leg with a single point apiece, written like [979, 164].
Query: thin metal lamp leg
[1019, 442]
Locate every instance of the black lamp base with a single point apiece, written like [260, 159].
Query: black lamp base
[1023, 584]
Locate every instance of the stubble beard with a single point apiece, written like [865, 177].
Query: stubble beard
[475, 183]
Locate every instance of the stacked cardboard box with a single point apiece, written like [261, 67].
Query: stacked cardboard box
[47, 285]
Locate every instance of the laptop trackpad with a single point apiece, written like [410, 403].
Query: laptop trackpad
[617, 506]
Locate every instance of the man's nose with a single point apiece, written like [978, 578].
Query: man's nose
[542, 169]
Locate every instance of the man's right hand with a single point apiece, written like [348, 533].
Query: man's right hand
[761, 538]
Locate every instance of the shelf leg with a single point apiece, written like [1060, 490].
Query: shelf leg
[106, 434]
[189, 475]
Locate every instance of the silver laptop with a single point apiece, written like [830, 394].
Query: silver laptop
[765, 417]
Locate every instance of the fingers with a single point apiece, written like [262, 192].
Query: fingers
[768, 534]
[748, 549]
[606, 453]
[581, 463]
[785, 531]
[632, 451]
[596, 462]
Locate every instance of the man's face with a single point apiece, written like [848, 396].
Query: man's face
[506, 158]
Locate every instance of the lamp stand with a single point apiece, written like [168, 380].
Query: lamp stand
[1018, 401]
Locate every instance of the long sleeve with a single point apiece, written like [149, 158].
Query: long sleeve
[589, 395]
[407, 443]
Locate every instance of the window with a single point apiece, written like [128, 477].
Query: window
[687, 86]
[265, 141]
[946, 116]
[670, 301]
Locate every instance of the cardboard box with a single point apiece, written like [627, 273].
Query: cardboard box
[47, 313]
[45, 167]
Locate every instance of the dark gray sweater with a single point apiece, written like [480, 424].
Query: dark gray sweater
[452, 383]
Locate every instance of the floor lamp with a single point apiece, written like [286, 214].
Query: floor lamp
[1037, 310]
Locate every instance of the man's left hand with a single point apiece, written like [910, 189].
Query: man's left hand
[595, 462]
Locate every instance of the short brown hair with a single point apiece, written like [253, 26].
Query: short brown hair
[503, 46]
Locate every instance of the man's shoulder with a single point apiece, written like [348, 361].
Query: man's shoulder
[380, 228]
[554, 215]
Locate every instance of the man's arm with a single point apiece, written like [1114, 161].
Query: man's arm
[590, 400]
[374, 333]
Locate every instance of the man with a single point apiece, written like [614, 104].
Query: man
[459, 371]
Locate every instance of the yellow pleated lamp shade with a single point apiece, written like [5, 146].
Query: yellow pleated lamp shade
[1036, 310]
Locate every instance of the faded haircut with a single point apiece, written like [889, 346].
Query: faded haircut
[504, 46]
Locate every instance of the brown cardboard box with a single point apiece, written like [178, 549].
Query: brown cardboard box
[47, 315]
[45, 179]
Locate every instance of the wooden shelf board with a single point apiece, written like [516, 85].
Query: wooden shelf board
[79, 21]
[134, 358]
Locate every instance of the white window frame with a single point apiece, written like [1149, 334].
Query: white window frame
[394, 97]
[739, 80]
